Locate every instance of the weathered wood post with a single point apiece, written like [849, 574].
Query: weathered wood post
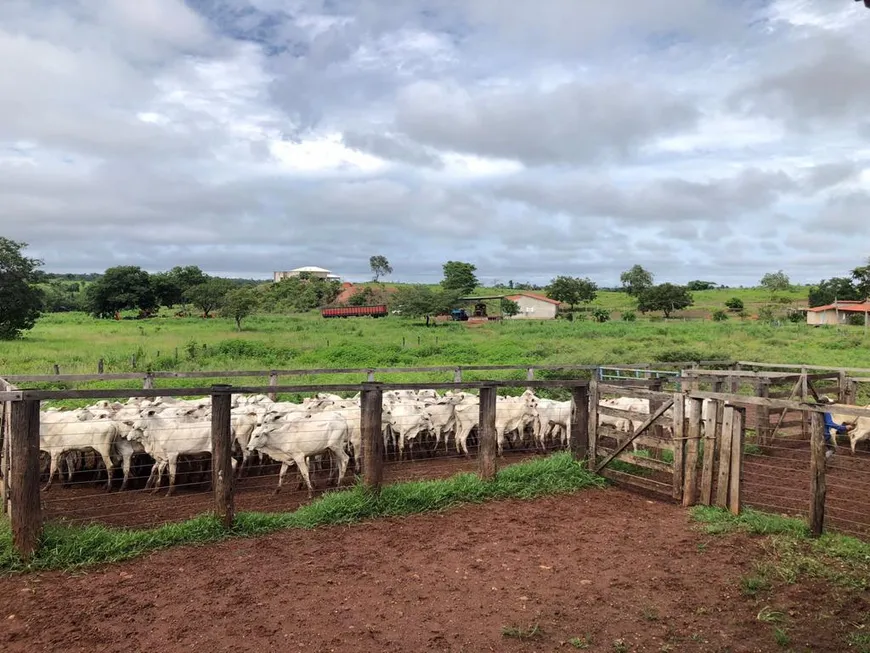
[656, 430]
[273, 382]
[723, 482]
[805, 421]
[457, 375]
[592, 429]
[580, 422]
[26, 510]
[222, 477]
[371, 407]
[530, 374]
[5, 430]
[817, 474]
[693, 437]
[842, 388]
[679, 443]
[100, 366]
[738, 434]
[57, 369]
[486, 427]
[370, 376]
[148, 381]
[852, 392]
[762, 413]
[711, 413]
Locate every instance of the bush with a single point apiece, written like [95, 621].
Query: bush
[734, 304]
[601, 315]
[766, 314]
[797, 317]
[856, 319]
[719, 316]
[629, 316]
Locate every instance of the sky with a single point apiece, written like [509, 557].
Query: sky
[702, 139]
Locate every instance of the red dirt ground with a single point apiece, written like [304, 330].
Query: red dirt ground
[607, 564]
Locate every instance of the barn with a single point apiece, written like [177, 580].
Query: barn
[837, 313]
[534, 307]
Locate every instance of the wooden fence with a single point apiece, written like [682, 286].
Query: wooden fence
[707, 439]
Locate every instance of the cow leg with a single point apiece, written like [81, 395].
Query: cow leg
[342, 459]
[173, 468]
[302, 464]
[106, 455]
[284, 467]
[152, 477]
[52, 469]
[159, 466]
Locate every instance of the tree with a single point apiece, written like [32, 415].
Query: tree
[701, 285]
[601, 314]
[572, 290]
[719, 315]
[380, 266]
[210, 295]
[121, 288]
[636, 280]
[166, 289]
[734, 304]
[509, 307]
[666, 298]
[423, 301]
[20, 299]
[835, 288]
[239, 304]
[775, 281]
[459, 276]
[861, 275]
[362, 297]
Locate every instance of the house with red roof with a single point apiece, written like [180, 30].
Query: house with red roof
[838, 312]
[534, 306]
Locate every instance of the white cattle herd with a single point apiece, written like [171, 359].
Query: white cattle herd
[166, 428]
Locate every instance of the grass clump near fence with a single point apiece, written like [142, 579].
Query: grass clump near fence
[69, 547]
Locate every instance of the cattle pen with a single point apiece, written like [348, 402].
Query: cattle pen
[731, 434]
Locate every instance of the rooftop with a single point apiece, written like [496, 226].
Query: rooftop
[848, 306]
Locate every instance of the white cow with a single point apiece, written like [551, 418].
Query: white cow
[76, 430]
[407, 421]
[296, 437]
[552, 416]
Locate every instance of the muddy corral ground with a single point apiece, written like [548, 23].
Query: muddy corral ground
[604, 570]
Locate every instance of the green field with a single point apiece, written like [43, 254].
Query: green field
[76, 342]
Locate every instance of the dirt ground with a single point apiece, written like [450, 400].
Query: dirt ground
[612, 567]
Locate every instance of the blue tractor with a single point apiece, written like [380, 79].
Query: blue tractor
[458, 315]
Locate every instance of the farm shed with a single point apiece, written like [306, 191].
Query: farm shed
[837, 313]
[534, 307]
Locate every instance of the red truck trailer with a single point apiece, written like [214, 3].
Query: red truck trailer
[378, 310]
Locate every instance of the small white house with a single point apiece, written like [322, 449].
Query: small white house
[837, 313]
[534, 307]
[310, 270]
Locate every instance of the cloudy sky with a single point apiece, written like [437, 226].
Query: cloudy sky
[715, 139]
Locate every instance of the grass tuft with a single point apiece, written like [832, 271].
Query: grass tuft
[69, 547]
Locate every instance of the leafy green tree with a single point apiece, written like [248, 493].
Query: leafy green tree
[20, 299]
[636, 280]
[835, 288]
[734, 304]
[572, 290]
[665, 297]
[297, 294]
[121, 288]
[601, 315]
[459, 277]
[166, 289]
[629, 316]
[239, 303]
[362, 297]
[209, 295]
[62, 296]
[861, 277]
[509, 307]
[775, 281]
[380, 266]
[719, 315]
[424, 301]
[701, 285]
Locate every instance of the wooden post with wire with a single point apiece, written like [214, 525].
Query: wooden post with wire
[488, 445]
[371, 407]
[222, 476]
[817, 474]
[26, 509]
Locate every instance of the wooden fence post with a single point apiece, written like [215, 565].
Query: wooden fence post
[579, 442]
[592, 429]
[723, 482]
[805, 426]
[370, 376]
[657, 432]
[843, 388]
[26, 510]
[852, 392]
[488, 445]
[148, 382]
[273, 382]
[57, 369]
[679, 442]
[5, 430]
[738, 434]
[371, 407]
[762, 413]
[711, 413]
[100, 366]
[222, 476]
[693, 437]
[457, 375]
[530, 374]
[817, 471]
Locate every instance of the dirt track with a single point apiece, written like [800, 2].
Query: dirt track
[604, 564]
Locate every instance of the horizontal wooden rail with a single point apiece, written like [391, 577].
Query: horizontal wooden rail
[790, 366]
[124, 393]
[606, 388]
[781, 403]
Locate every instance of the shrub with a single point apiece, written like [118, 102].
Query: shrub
[766, 314]
[734, 304]
[629, 316]
[856, 319]
[601, 315]
[720, 316]
[797, 317]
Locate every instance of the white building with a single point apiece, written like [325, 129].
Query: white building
[310, 270]
[534, 307]
[838, 313]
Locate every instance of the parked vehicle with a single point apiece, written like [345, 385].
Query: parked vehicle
[378, 310]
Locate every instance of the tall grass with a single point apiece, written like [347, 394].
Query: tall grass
[69, 547]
